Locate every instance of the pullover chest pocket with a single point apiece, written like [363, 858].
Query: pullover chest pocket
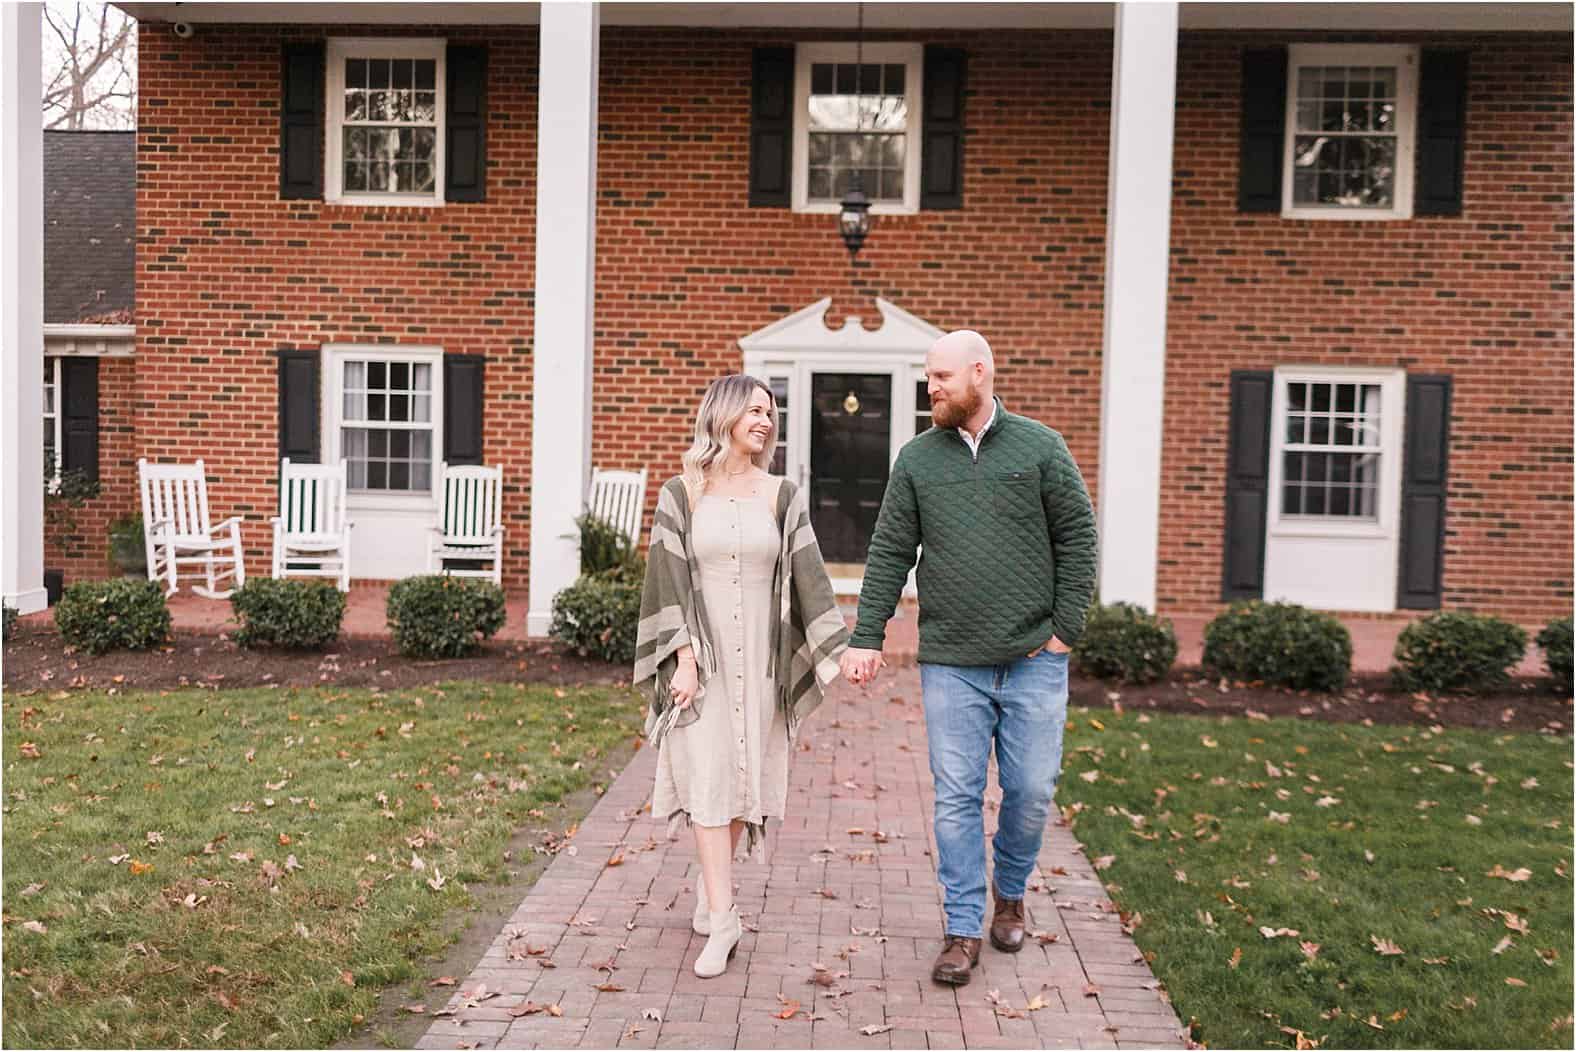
[1015, 496]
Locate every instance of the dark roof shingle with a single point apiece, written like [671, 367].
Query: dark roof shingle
[90, 228]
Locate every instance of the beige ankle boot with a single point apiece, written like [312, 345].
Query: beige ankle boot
[721, 944]
[701, 921]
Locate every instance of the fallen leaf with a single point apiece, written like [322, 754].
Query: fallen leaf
[1271, 933]
[1104, 862]
[442, 980]
[36, 927]
[652, 1014]
[1236, 958]
[616, 860]
[1310, 950]
[1091, 990]
[139, 868]
[873, 1029]
[1385, 947]
[789, 1008]
[1501, 946]
[1513, 981]
[1516, 876]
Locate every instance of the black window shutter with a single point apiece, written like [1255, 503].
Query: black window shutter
[1441, 132]
[462, 408]
[771, 128]
[301, 122]
[465, 173]
[1263, 130]
[1247, 484]
[941, 139]
[1424, 471]
[79, 430]
[298, 406]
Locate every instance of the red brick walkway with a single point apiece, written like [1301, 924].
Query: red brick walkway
[832, 893]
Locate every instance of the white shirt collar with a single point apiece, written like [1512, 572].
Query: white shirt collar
[974, 440]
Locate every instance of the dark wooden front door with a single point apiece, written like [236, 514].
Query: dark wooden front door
[850, 440]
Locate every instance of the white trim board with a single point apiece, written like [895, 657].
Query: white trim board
[90, 341]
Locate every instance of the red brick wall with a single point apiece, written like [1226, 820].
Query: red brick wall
[1485, 297]
[83, 554]
[227, 273]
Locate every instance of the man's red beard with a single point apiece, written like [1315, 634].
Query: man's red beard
[955, 412]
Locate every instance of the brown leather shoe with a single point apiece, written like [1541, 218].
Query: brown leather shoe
[958, 957]
[1006, 927]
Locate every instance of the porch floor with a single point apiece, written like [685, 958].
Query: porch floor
[1373, 641]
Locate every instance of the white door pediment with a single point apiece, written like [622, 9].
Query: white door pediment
[806, 330]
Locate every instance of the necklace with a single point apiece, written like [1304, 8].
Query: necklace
[736, 474]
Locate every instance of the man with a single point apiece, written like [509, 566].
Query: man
[1005, 579]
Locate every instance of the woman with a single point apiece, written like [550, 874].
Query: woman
[739, 631]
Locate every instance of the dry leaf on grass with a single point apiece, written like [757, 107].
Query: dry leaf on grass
[1516, 876]
[1386, 948]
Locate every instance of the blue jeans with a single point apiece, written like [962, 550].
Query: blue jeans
[1022, 708]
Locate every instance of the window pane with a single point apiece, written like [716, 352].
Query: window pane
[377, 72]
[355, 73]
[1291, 499]
[845, 79]
[892, 79]
[421, 377]
[1296, 428]
[402, 73]
[399, 475]
[1319, 430]
[377, 474]
[1321, 397]
[426, 74]
[821, 78]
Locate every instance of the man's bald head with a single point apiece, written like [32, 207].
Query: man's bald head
[962, 348]
[961, 374]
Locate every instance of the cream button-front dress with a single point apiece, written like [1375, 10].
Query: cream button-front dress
[732, 761]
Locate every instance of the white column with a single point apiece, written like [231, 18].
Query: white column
[1137, 245]
[565, 294]
[21, 307]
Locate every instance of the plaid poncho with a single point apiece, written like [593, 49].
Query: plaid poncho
[808, 636]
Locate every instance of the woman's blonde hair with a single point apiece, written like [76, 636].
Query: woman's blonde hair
[725, 401]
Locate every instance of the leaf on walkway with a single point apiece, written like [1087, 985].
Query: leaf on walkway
[442, 980]
[790, 1008]
[873, 1029]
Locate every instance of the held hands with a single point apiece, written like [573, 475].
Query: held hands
[1054, 645]
[859, 666]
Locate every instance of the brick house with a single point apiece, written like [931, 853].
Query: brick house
[1308, 334]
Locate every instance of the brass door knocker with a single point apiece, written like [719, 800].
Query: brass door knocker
[851, 404]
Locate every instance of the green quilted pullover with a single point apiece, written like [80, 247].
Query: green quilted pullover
[1008, 544]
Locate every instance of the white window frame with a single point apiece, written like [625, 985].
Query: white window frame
[1404, 57]
[333, 382]
[1392, 413]
[339, 49]
[910, 55]
[52, 375]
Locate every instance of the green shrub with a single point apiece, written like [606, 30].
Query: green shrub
[123, 614]
[1124, 642]
[298, 614]
[8, 616]
[1555, 642]
[436, 616]
[598, 615]
[1281, 644]
[1457, 651]
[604, 547]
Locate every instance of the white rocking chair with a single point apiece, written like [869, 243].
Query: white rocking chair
[619, 497]
[312, 529]
[470, 522]
[177, 530]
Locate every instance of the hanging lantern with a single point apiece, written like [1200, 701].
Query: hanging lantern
[853, 217]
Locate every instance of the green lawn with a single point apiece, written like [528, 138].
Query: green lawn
[1312, 847]
[247, 868]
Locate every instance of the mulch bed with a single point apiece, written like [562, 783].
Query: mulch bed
[37, 661]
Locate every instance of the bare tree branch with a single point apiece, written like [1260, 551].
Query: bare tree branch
[91, 74]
